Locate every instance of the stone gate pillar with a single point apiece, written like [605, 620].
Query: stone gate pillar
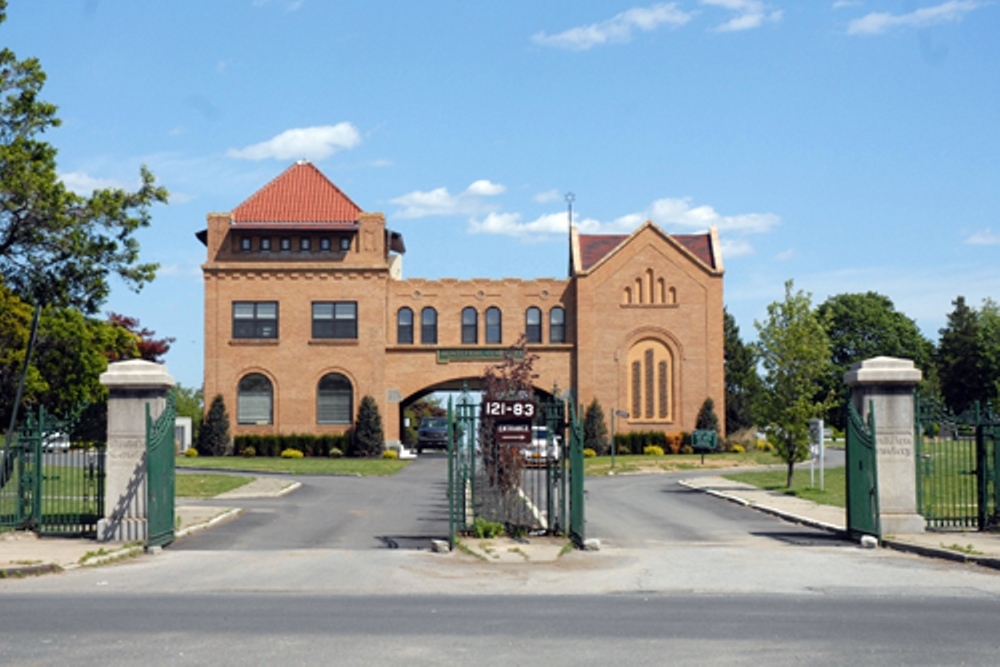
[886, 384]
[131, 386]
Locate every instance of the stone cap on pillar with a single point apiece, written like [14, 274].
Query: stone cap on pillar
[135, 374]
[883, 370]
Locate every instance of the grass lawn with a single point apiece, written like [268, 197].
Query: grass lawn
[834, 481]
[304, 466]
[601, 465]
[196, 485]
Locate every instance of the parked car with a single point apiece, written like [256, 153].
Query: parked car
[432, 433]
[55, 442]
[544, 447]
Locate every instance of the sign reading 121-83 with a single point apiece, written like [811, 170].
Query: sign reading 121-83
[509, 409]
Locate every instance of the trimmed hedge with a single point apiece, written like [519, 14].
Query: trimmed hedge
[309, 445]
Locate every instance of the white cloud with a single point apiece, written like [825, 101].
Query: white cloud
[843, 4]
[983, 237]
[617, 29]
[786, 255]
[310, 143]
[751, 14]
[547, 196]
[84, 184]
[441, 202]
[671, 213]
[877, 23]
[735, 247]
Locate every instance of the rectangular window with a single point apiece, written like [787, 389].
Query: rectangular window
[286, 243]
[345, 244]
[245, 244]
[265, 244]
[335, 319]
[324, 243]
[305, 244]
[255, 319]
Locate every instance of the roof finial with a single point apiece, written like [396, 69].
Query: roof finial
[570, 197]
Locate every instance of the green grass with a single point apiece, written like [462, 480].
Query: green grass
[834, 482]
[304, 466]
[601, 465]
[206, 485]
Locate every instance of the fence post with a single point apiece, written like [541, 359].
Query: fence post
[131, 386]
[885, 385]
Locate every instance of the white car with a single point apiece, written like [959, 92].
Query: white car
[55, 442]
[544, 447]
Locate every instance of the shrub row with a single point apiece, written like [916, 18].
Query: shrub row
[274, 445]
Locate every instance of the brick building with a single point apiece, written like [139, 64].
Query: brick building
[306, 312]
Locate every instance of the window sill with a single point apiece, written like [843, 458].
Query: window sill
[254, 341]
[334, 341]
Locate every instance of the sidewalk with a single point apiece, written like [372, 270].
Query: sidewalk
[961, 546]
[24, 553]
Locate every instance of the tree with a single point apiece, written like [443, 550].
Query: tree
[213, 438]
[595, 429]
[707, 419]
[989, 335]
[742, 382]
[961, 359]
[511, 379]
[863, 326]
[190, 402]
[56, 247]
[795, 354]
[424, 407]
[149, 348]
[369, 439]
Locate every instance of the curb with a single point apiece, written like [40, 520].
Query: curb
[218, 518]
[889, 543]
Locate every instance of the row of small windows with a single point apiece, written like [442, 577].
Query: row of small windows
[305, 243]
[255, 400]
[330, 319]
[339, 320]
[493, 319]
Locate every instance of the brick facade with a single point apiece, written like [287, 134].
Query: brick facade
[642, 332]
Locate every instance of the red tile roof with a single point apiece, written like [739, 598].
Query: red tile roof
[595, 247]
[301, 194]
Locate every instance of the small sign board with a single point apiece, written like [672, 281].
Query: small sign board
[704, 440]
[513, 433]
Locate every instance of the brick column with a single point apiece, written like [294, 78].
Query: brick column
[131, 385]
[886, 384]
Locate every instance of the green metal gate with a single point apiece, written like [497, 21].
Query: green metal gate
[160, 475]
[862, 475]
[548, 495]
[957, 466]
[49, 486]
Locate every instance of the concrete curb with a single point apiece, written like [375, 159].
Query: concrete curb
[219, 518]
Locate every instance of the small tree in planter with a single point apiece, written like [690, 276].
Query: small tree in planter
[213, 437]
[369, 439]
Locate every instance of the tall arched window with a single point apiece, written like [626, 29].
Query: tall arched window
[533, 325]
[404, 326]
[470, 326]
[557, 325]
[334, 400]
[650, 381]
[428, 326]
[254, 400]
[494, 325]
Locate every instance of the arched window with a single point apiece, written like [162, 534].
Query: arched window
[334, 400]
[650, 380]
[404, 326]
[533, 325]
[470, 326]
[557, 325]
[494, 325]
[254, 400]
[428, 326]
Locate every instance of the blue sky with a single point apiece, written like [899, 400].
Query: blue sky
[847, 145]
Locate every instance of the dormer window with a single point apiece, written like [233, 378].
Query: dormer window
[246, 244]
[286, 244]
[324, 243]
[304, 244]
[265, 244]
[345, 244]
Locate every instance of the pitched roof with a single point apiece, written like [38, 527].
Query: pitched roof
[300, 194]
[595, 247]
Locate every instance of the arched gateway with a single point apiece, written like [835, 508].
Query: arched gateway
[306, 311]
